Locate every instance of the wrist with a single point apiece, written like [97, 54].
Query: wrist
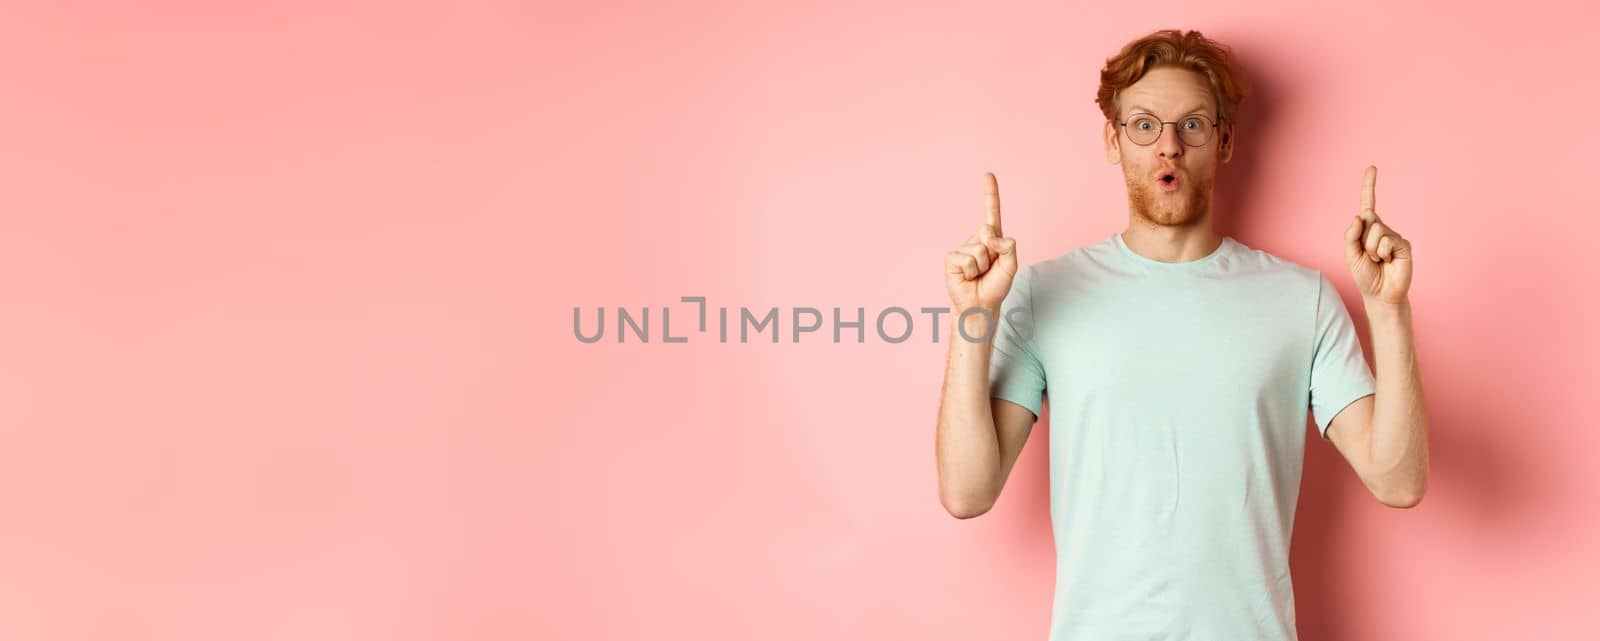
[1388, 309]
[977, 325]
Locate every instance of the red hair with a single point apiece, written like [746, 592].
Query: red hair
[1185, 50]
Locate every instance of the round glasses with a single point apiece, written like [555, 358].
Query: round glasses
[1194, 131]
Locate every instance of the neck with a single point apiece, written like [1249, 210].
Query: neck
[1171, 243]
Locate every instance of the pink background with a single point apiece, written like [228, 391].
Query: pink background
[288, 295]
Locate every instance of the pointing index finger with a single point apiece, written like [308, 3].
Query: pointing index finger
[1368, 189]
[991, 190]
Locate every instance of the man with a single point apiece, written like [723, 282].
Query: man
[1180, 367]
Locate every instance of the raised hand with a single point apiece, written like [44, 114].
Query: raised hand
[1379, 258]
[979, 272]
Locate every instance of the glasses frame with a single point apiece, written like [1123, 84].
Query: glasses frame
[1215, 126]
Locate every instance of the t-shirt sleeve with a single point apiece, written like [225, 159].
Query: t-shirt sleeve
[1339, 371]
[1015, 371]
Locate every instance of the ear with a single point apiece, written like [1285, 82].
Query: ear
[1113, 144]
[1228, 140]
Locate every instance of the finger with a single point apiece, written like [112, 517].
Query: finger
[1402, 248]
[960, 263]
[1386, 248]
[1006, 255]
[979, 252]
[991, 190]
[1375, 232]
[1352, 237]
[985, 235]
[1369, 198]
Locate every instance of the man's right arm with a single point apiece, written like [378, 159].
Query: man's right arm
[979, 437]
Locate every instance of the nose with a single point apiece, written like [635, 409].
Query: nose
[1168, 144]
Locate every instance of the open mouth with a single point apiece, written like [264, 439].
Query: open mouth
[1168, 180]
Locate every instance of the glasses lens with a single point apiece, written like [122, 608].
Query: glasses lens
[1143, 129]
[1195, 131]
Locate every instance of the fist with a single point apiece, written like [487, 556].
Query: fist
[1378, 256]
[979, 272]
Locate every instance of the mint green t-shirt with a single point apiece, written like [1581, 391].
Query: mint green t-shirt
[1178, 401]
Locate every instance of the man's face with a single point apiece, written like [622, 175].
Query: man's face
[1170, 94]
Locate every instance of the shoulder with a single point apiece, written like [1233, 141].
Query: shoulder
[1074, 263]
[1308, 290]
[1249, 260]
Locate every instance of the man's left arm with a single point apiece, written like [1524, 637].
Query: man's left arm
[1385, 436]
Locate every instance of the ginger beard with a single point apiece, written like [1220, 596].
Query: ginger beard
[1187, 206]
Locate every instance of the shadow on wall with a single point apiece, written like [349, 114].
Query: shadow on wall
[1328, 594]
[1489, 487]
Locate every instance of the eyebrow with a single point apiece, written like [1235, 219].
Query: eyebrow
[1152, 111]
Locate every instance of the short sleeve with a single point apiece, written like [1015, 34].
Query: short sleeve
[1339, 371]
[1015, 371]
